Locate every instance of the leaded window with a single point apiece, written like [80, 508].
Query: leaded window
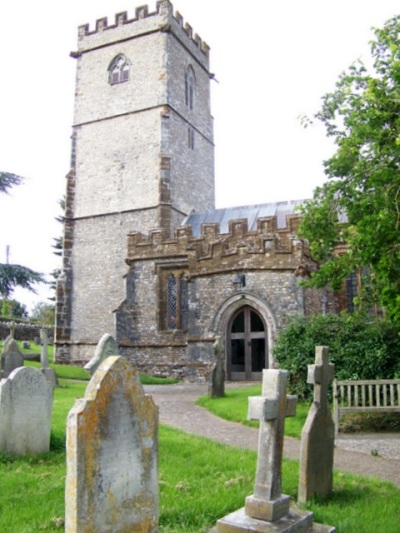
[177, 301]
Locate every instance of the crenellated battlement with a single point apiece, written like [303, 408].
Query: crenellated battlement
[267, 247]
[163, 17]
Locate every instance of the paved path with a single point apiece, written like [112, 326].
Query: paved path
[352, 452]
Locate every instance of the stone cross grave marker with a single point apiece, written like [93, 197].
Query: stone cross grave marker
[105, 347]
[26, 401]
[48, 372]
[268, 502]
[268, 509]
[318, 434]
[112, 442]
[11, 358]
[216, 385]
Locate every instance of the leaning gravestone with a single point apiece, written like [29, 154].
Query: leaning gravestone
[268, 510]
[216, 383]
[318, 434]
[26, 402]
[11, 358]
[106, 346]
[112, 477]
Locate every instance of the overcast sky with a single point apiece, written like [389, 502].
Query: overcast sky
[274, 60]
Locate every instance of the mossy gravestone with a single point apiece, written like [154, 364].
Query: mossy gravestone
[112, 464]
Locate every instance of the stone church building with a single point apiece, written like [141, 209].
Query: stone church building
[147, 257]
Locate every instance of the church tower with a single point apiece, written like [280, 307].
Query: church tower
[142, 158]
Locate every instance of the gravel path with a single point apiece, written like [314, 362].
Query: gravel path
[352, 453]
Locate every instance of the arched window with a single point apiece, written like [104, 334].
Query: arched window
[190, 83]
[118, 71]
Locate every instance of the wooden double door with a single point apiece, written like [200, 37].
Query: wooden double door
[247, 346]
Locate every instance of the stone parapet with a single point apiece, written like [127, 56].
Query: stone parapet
[267, 248]
[162, 19]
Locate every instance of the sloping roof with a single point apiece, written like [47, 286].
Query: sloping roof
[222, 216]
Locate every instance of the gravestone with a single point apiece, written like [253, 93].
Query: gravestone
[216, 383]
[268, 510]
[11, 358]
[48, 372]
[105, 347]
[26, 401]
[318, 434]
[112, 477]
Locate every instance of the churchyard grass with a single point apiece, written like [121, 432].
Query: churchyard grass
[200, 481]
[77, 372]
[233, 406]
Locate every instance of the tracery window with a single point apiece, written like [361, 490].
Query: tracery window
[177, 301]
[190, 83]
[119, 70]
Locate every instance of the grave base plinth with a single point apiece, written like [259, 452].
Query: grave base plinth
[296, 521]
[270, 510]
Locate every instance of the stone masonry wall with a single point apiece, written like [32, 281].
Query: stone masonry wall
[268, 257]
[133, 170]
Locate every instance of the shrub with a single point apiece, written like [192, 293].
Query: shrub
[359, 347]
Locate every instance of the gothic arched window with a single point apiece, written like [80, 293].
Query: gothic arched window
[118, 71]
[190, 83]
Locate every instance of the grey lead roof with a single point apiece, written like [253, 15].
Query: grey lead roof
[251, 212]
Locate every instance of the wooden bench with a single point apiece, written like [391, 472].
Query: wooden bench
[371, 396]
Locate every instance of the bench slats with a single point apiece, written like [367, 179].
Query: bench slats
[365, 396]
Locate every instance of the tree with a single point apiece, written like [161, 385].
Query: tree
[43, 313]
[58, 247]
[359, 205]
[7, 180]
[13, 309]
[12, 276]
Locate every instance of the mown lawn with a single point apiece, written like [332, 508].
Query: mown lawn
[200, 481]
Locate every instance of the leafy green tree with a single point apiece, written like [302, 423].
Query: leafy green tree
[12, 276]
[359, 205]
[43, 313]
[13, 309]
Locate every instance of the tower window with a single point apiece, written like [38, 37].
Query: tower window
[190, 137]
[118, 71]
[190, 82]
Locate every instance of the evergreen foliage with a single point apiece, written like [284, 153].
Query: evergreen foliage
[360, 349]
[12, 276]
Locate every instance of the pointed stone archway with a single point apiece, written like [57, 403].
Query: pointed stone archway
[248, 328]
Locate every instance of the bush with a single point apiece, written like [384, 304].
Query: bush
[359, 347]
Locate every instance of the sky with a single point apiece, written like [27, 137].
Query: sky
[273, 60]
